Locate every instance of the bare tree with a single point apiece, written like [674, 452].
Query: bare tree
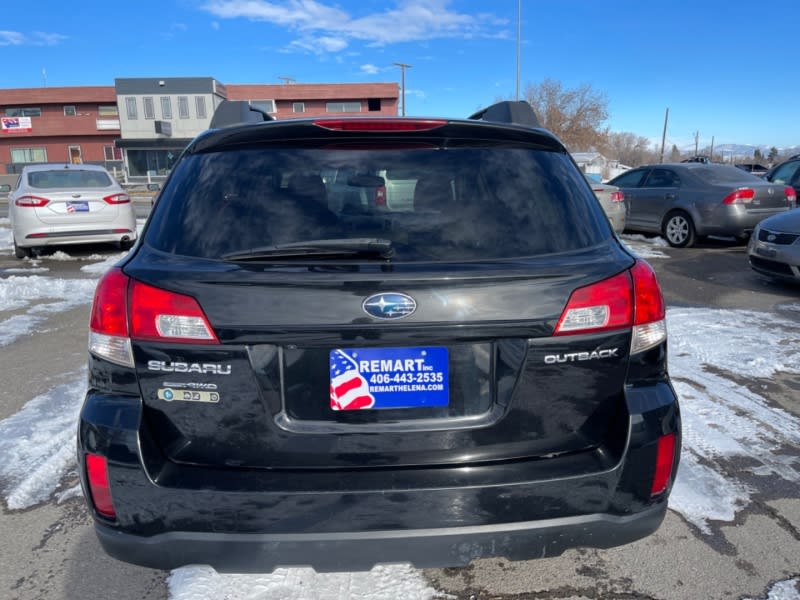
[575, 115]
[629, 149]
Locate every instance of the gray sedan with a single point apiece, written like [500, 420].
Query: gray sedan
[774, 248]
[685, 201]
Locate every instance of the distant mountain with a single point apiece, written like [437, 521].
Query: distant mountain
[746, 151]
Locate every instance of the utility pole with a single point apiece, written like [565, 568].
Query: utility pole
[519, 34]
[287, 80]
[664, 135]
[403, 68]
[711, 157]
[696, 140]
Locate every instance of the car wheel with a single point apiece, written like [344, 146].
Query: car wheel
[125, 246]
[679, 230]
[22, 252]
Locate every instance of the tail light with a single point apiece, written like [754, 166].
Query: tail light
[117, 199]
[631, 299]
[99, 487]
[34, 201]
[617, 197]
[665, 458]
[125, 309]
[380, 196]
[740, 196]
[791, 196]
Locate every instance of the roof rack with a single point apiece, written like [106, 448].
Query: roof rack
[516, 112]
[236, 112]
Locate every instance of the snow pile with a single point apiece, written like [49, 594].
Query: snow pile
[645, 247]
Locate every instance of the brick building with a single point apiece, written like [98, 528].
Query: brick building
[140, 125]
[58, 124]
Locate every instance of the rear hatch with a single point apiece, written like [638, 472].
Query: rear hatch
[421, 336]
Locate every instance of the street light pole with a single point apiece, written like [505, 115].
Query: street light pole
[403, 68]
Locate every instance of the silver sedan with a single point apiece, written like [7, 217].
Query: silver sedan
[774, 248]
[57, 204]
[613, 202]
[686, 201]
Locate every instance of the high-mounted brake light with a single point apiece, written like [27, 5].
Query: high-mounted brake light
[126, 309]
[631, 299]
[117, 199]
[380, 125]
[99, 487]
[665, 457]
[740, 196]
[34, 201]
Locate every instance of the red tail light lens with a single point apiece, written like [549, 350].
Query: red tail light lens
[649, 303]
[602, 306]
[791, 195]
[158, 314]
[109, 309]
[665, 457]
[380, 125]
[117, 199]
[34, 201]
[99, 487]
[740, 196]
[617, 197]
[380, 196]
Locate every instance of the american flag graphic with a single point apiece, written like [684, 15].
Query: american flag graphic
[70, 208]
[349, 389]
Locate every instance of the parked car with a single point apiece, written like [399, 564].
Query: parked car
[61, 204]
[274, 380]
[685, 201]
[774, 249]
[613, 202]
[753, 168]
[786, 173]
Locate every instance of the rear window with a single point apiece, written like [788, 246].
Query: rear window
[68, 178]
[465, 203]
[720, 174]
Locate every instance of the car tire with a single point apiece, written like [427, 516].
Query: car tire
[125, 246]
[678, 229]
[22, 252]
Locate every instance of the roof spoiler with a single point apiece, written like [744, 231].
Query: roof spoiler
[515, 112]
[236, 112]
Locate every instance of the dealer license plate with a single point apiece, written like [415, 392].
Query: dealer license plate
[80, 206]
[375, 378]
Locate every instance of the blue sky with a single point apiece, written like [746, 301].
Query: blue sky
[725, 69]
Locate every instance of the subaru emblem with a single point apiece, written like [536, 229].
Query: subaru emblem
[389, 305]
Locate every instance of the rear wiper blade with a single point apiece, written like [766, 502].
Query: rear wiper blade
[333, 248]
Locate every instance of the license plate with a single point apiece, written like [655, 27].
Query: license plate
[768, 252]
[73, 207]
[380, 378]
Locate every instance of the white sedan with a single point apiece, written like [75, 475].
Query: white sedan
[60, 204]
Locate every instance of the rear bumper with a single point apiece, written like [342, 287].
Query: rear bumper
[733, 220]
[424, 548]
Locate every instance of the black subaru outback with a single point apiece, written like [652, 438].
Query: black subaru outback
[342, 342]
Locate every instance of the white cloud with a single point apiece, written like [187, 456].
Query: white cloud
[407, 21]
[37, 38]
[370, 69]
[215, 25]
[319, 45]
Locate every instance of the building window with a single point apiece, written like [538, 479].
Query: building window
[148, 107]
[24, 112]
[183, 107]
[28, 155]
[112, 153]
[108, 110]
[200, 105]
[298, 107]
[268, 106]
[69, 111]
[166, 107]
[373, 104]
[343, 107]
[130, 106]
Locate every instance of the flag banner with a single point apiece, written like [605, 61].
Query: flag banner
[16, 124]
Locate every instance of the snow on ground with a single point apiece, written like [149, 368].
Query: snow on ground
[40, 297]
[783, 590]
[645, 247]
[38, 444]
